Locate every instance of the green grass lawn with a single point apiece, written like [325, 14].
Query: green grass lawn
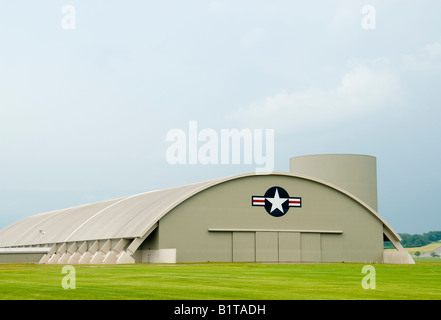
[253, 281]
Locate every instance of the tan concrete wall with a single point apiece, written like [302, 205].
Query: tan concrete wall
[20, 257]
[354, 173]
[253, 235]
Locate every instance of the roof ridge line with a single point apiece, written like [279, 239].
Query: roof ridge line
[102, 210]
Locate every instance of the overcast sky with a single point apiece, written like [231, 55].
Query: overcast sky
[89, 90]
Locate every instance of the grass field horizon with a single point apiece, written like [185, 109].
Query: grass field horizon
[426, 248]
[222, 281]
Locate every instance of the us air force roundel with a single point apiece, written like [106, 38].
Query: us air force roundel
[276, 201]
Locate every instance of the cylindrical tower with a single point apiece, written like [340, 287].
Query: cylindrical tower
[354, 173]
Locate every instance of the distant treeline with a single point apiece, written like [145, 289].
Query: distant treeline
[419, 240]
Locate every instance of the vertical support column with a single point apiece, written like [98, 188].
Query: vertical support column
[112, 256]
[98, 257]
[87, 256]
[48, 255]
[76, 256]
[55, 257]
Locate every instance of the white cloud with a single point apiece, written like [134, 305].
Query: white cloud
[362, 91]
[433, 49]
[426, 59]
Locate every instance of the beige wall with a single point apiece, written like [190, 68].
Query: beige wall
[20, 257]
[329, 227]
[354, 173]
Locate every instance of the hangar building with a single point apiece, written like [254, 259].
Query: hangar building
[323, 210]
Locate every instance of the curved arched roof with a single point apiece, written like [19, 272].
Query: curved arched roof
[126, 217]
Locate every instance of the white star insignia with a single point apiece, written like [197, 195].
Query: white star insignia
[277, 202]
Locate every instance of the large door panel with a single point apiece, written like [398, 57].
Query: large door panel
[311, 247]
[244, 247]
[289, 247]
[267, 247]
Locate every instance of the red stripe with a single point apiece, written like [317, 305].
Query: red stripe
[255, 200]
